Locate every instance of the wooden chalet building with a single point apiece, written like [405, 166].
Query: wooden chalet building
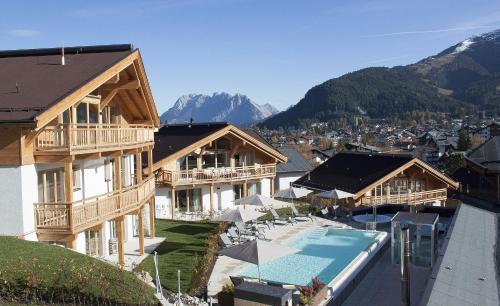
[202, 167]
[76, 130]
[378, 179]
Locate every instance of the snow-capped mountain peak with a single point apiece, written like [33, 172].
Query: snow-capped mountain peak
[237, 109]
[464, 45]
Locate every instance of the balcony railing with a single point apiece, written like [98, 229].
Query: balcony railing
[83, 214]
[215, 175]
[410, 198]
[82, 136]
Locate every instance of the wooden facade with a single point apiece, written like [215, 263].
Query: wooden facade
[112, 115]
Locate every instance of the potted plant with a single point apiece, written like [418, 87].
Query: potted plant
[226, 296]
[313, 294]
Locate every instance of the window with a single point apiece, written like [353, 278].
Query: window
[254, 188]
[51, 186]
[192, 162]
[81, 113]
[244, 159]
[189, 200]
[237, 191]
[77, 179]
[222, 160]
[107, 171]
[208, 160]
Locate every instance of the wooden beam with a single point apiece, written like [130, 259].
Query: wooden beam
[150, 162]
[125, 84]
[141, 230]
[173, 202]
[271, 179]
[120, 238]
[152, 217]
[107, 98]
[138, 165]
[212, 209]
[68, 182]
[117, 173]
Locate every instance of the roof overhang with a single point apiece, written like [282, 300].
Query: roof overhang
[228, 130]
[78, 94]
[414, 162]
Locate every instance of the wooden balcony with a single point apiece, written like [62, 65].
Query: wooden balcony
[215, 175]
[80, 215]
[67, 138]
[408, 197]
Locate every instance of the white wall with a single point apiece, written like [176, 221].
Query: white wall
[162, 202]
[265, 187]
[29, 196]
[284, 179]
[11, 205]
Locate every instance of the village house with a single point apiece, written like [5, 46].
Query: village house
[379, 178]
[201, 168]
[76, 127]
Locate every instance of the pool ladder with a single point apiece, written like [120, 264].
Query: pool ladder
[318, 233]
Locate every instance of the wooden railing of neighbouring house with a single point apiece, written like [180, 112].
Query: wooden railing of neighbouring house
[408, 197]
[79, 215]
[93, 136]
[215, 175]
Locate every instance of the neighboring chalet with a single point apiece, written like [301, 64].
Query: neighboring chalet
[481, 175]
[202, 167]
[74, 131]
[293, 169]
[377, 178]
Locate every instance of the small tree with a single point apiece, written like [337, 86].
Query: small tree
[464, 142]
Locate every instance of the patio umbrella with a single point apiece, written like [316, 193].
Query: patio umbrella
[335, 194]
[239, 214]
[258, 252]
[260, 200]
[292, 193]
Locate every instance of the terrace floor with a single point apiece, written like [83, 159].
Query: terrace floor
[131, 250]
[281, 234]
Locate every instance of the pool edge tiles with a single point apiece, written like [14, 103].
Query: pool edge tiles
[326, 253]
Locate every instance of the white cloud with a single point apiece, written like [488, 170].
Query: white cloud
[466, 28]
[23, 32]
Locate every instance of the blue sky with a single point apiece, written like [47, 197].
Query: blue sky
[272, 51]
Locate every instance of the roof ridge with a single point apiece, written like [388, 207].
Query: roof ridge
[67, 50]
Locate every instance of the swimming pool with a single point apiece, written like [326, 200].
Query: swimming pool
[326, 252]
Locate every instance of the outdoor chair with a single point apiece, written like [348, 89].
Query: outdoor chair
[235, 236]
[225, 241]
[277, 219]
[249, 230]
[300, 217]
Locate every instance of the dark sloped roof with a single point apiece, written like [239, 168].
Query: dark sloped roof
[173, 138]
[487, 154]
[296, 162]
[352, 171]
[42, 81]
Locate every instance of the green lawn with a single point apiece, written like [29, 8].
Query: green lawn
[36, 272]
[184, 248]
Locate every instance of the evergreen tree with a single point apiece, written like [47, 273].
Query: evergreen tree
[464, 142]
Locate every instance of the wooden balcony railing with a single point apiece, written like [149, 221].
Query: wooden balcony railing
[215, 175]
[83, 214]
[82, 136]
[410, 198]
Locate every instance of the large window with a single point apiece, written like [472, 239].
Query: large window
[189, 200]
[237, 191]
[254, 188]
[51, 186]
[244, 159]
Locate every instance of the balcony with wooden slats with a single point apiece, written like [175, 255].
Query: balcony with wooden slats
[407, 197]
[87, 138]
[83, 214]
[215, 175]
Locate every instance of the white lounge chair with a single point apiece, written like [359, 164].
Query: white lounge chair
[300, 217]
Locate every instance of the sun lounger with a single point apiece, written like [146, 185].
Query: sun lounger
[277, 219]
[249, 230]
[225, 241]
[235, 236]
[300, 217]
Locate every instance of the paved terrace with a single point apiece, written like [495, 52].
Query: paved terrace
[225, 266]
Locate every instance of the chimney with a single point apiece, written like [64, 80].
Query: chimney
[63, 61]
[405, 265]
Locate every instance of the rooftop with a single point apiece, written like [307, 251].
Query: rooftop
[33, 80]
[352, 171]
[296, 162]
[487, 155]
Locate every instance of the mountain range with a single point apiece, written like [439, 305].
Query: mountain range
[463, 78]
[237, 109]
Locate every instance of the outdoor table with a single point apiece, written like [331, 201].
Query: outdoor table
[248, 293]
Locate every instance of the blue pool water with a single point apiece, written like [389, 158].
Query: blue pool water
[324, 254]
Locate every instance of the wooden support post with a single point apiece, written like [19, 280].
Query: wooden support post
[212, 200]
[120, 238]
[68, 182]
[187, 200]
[150, 162]
[272, 185]
[388, 193]
[138, 164]
[245, 189]
[173, 202]
[409, 198]
[152, 217]
[140, 215]
[71, 242]
[117, 173]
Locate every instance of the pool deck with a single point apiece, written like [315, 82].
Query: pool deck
[381, 286]
[281, 234]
